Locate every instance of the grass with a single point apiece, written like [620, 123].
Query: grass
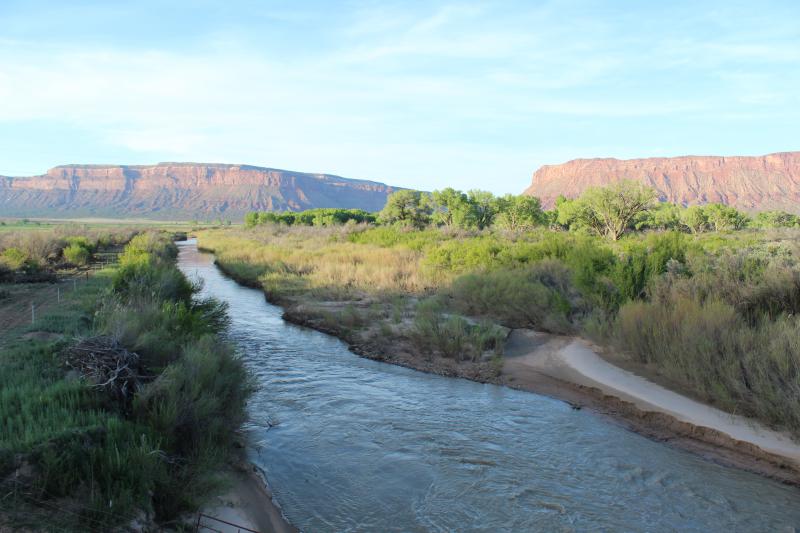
[76, 449]
[713, 313]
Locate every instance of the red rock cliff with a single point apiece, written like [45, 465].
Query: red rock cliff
[180, 191]
[748, 183]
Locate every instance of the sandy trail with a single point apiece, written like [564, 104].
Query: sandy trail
[574, 361]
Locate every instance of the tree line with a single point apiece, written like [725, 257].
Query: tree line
[609, 211]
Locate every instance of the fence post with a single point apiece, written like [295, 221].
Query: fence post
[74, 284]
[58, 292]
[33, 313]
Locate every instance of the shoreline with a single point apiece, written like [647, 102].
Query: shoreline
[706, 442]
[657, 425]
[248, 502]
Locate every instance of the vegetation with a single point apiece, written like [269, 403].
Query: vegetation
[706, 296]
[112, 452]
[310, 217]
[25, 251]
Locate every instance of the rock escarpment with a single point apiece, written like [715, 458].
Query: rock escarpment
[748, 183]
[174, 191]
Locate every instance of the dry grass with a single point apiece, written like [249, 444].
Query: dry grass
[318, 260]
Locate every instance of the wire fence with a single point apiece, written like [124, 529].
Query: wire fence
[24, 303]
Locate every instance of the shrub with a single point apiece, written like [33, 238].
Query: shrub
[539, 296]
[14, 258]
[77, 254]
[196, 406]
[453, 336]
[708, 348]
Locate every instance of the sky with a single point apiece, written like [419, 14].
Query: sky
[416, 94]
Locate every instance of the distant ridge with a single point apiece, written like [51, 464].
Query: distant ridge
[180, 191]
[750, 183]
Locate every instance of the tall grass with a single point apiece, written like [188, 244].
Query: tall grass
[730, 333]
[714, 312]
[161, 453]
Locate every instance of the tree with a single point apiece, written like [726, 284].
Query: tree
[450, 208]
[776, 219]
[251, 219]
[613, 208]
[483, 208]
[407, 208]
[725, 217]
[519, 212]
[695, 218]
[573, 215]
[664, 216]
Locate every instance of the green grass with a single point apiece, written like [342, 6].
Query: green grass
[103, 460]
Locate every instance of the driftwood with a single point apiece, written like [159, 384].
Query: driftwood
[107, 365]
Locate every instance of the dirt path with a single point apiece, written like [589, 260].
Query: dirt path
[533, 358]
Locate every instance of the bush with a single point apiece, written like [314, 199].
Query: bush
[708, 348]
[14, 258]
[196, 406]
[539, 296]
[77, 254]
[453, 336]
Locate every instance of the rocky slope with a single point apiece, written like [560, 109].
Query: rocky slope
[174, 191]
[748, 183]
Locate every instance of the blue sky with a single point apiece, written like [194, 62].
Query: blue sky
[425, 95]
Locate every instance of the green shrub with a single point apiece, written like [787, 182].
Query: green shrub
[709, 349]
[14, 258]
[453, 336]
[539, 296]
[196, 405]
[77, 254]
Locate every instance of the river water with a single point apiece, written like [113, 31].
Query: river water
[350, 444]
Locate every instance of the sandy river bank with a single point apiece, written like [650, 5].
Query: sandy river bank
[571, 369]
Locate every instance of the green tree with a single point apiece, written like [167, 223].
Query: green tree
[776, 219]
[573, 215]
[251, 219]
[451, 208]
[663, 216]
[519, 212]
[724, 217]
[483, 208]
[613, 208]
[695, 218]
[406, 208]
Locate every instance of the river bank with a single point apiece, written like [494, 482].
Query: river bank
[548, 377]
[248, 503]
[348, 443]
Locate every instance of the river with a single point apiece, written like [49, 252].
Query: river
[350, 444]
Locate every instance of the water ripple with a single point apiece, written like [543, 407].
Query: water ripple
[350, 444]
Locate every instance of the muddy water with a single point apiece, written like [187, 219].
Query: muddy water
[350, 444]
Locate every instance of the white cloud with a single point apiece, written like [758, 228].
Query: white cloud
[418, 97]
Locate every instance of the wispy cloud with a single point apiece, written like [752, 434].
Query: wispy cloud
[429, 96]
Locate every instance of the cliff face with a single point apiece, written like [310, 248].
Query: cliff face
[174, 191]
[748, 183]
